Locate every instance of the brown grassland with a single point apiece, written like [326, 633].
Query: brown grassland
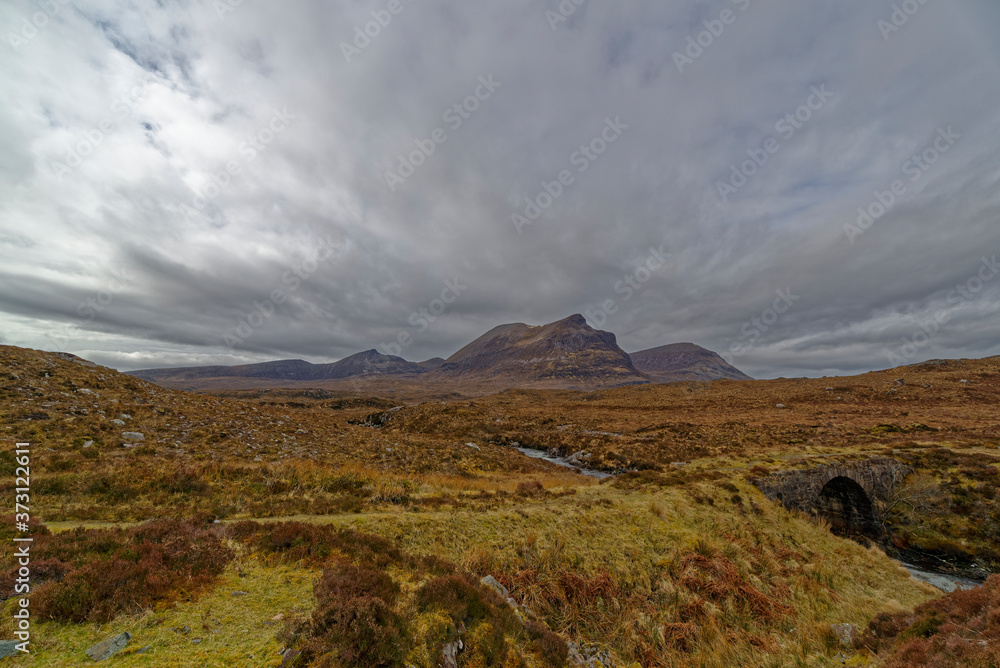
[354, 529]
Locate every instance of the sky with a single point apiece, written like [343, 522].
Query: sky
[808, 188]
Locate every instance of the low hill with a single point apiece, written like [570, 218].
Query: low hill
[684, 361]
[368, 363]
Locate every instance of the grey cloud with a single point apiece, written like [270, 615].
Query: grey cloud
[219, 81]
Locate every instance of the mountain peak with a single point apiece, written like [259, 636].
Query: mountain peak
[575, 319]
[565, 351]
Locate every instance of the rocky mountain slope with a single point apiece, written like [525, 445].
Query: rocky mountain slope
[567, 354]
[684, 361]
[568, 350]
[370, 362]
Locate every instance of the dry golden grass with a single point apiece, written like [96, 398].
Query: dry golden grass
[690, 567]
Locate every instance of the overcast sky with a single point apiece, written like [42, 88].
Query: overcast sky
[170, 170]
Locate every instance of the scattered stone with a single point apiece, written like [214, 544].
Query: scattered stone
[473, 445]
[278, 617]
[126, 416]
[449, 655]
[493, 584]
[117, 422]
[589, 655]
[133, 436]
[288, 657]
[84, 390]
[196, 641]
[899, 382]
[239, 593]
[845, 633]
[88, 444]
[8, 648]
[964, 382]
[829, 389]
[780, 406]
[105, 649]
[183, 630]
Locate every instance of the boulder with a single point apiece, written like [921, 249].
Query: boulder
[107, 648]
[493, 584]
[133, 436]
[8, 648]
[846, 633]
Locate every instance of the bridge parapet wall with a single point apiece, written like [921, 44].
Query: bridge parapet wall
[800, 490]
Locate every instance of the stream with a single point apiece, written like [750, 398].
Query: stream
[944, 582]
[562, 461]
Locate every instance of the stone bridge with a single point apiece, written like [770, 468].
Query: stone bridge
[842, 493]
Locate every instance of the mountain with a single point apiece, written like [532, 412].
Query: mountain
[432, 363]
[368, 363]
[568, 353]
[684, 361]
[279, 370]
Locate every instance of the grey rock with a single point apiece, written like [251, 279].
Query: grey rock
[117, 422]
[589, 655]
[449, 655]
[846, 633]
[493, 584]
[125, 416]
[780, 406]
[8, 648]
[88, 444]
[899, 382]
[288, 657]
[133, 436]
[239, 593]
[105, 649]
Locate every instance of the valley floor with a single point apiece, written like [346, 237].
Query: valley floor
[345, 530]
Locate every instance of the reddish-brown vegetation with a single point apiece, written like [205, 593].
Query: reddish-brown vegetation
[960, 630]
[95, 575]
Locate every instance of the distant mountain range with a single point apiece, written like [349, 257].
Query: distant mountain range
[567, 354]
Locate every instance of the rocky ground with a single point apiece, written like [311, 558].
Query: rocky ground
[678, 560]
